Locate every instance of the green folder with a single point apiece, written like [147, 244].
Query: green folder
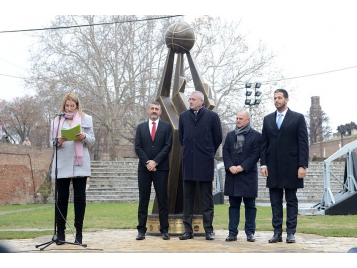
[70, 134]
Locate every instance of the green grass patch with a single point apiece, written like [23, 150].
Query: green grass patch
[30, 221]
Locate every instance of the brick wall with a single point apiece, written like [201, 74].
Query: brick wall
[327, 148]
[22, 171]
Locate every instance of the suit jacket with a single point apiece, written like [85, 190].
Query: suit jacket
[245, 183]
[200, 140]
[284, 150]
[157, 150]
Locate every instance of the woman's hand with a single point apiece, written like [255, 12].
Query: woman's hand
[61, 140]
[81, 135]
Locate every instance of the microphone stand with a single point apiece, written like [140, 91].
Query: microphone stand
[55, 237]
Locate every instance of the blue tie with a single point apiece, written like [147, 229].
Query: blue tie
[280, 116]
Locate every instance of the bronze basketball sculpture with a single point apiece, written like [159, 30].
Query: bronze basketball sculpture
[180, 38]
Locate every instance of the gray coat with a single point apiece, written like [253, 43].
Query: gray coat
[65, 154]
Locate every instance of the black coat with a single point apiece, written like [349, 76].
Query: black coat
[284, 151]
[245, 183]
[200, 140]
[157, 150]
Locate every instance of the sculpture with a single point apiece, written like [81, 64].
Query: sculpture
[180, 38]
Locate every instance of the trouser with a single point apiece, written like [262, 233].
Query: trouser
[276, 200]
[159, 179]
[189, 190]
[79, 198]
[234, 214]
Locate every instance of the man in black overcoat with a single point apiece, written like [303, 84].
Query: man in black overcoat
[200, 135]
[284, 161]
[153, 146]
[241, 152]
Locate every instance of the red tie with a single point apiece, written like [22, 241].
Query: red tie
[153, 131]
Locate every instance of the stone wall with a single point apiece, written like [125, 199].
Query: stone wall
[22, 171]
[325, 149]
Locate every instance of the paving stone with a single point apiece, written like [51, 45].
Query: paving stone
[123, 241]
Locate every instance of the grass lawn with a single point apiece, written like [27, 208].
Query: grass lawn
[30, 221]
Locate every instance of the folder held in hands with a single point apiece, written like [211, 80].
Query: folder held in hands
[70, 134]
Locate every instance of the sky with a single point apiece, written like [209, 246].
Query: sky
[315, 43]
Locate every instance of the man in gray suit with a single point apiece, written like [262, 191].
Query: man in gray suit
[284, 161]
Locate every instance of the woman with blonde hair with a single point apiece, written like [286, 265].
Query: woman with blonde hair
[73, 164]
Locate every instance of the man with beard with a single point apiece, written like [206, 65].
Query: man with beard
[200, 135]
[284, 161]
[153, 142]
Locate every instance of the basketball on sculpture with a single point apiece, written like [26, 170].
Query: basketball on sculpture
[180, 36]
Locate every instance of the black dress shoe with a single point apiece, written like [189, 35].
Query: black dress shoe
[231, 238]
[165, 236]
[290, 238]
[250, 238]
[186, 236]
[276, 238]
[210, 236]
[141, 236]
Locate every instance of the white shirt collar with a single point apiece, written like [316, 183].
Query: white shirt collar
[150, 123]
[283, 113]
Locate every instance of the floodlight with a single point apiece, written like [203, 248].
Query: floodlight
[248, 85]
[258, 93]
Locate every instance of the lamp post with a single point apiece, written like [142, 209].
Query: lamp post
[248, 92]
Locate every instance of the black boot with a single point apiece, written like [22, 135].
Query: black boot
[61, 224]
[79, 185]
[61, 209]
[61, 237]
[79, 238]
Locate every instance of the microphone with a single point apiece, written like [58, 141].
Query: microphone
[61, 114]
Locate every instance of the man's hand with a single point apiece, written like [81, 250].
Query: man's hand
[264, 171]
[240, 169]
[151, 165]
[233, 169]
[301, 173]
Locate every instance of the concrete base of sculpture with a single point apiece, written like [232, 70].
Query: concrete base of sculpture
[176, 225]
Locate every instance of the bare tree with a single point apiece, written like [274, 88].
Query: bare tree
[227, 64]
[113, 68]
[318, 125]
[23, 118]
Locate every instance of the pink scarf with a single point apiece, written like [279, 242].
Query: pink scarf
[78, 145]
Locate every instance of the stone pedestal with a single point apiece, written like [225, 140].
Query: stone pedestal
[176, 225]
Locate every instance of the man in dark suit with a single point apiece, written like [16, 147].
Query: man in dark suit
[153, 142]
[284, 161]
[241, 152]
[200, 135]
